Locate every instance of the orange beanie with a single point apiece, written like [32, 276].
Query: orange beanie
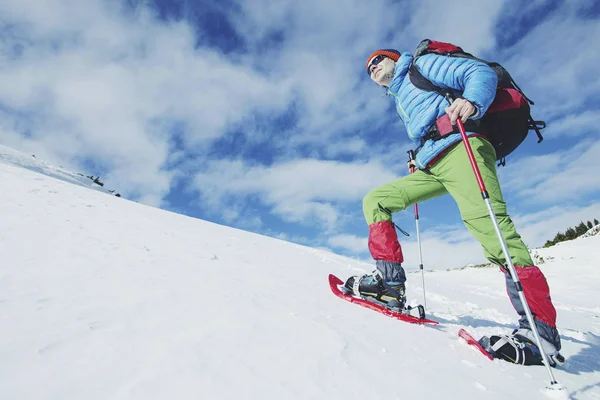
[391, 53]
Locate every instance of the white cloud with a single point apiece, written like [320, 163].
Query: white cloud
[349, 147]
[441, 254]
[298, 191]
[556, 177]
[351, 243]
[573, 125]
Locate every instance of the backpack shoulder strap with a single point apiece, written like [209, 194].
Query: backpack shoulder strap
[420, 82]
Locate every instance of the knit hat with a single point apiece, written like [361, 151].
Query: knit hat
[391, 53]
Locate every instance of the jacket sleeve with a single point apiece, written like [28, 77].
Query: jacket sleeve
[475, 80]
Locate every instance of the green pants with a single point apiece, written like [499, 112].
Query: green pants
[453, 174]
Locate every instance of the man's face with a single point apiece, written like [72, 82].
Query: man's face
[382, 72]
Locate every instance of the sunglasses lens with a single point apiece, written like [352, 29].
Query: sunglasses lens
[375, 61]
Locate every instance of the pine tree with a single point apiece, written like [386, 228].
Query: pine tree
[570, 234]
[581, 229]
[596, 222]
[590, 225]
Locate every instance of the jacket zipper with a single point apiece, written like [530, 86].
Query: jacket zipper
[403, 112]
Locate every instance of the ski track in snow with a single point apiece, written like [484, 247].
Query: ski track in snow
[103, 298]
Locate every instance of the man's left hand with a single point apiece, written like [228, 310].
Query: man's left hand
[460, 108]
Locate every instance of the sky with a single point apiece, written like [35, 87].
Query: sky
[124, 301]
[259, 115]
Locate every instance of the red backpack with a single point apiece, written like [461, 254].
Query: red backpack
[506, 122]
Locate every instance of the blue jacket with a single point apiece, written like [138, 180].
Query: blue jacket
[419, 109]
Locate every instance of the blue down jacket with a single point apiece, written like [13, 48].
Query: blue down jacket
[419, 109]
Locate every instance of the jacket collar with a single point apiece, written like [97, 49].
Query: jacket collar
[400, 72]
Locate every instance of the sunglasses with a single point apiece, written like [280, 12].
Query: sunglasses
[375, 61]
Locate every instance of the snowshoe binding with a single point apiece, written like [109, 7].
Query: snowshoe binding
[372, 287]
[519, 348]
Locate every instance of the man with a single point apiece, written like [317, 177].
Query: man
[443, 167]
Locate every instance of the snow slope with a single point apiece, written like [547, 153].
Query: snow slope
[17, 158]
[103, 298]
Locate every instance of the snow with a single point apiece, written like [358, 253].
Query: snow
[104, 298]
[13, 157]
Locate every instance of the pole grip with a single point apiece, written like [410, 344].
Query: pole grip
[411, 157]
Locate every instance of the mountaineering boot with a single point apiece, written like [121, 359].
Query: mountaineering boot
[397, 294]
[554, 357]
[391, 293]
[521, 348]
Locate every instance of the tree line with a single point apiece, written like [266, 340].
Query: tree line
[572, 233]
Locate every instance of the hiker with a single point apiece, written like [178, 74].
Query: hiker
[442, 166]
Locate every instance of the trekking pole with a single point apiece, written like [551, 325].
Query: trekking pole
[411, 157]
[554, 385]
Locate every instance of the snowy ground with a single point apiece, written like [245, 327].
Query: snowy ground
[103, 298]
[12, 157]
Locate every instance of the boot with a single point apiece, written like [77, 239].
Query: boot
[521, 348]
[391, 293]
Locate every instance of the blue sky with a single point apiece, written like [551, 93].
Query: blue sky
[259, 114]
